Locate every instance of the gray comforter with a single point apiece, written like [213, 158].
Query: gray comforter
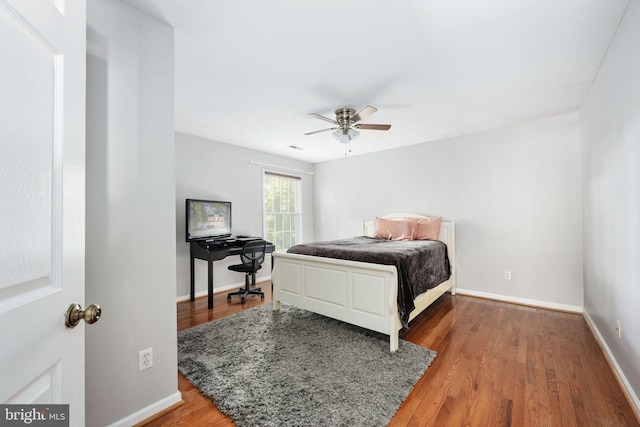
[421, 264]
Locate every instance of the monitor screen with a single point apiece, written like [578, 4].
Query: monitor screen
[207, 219]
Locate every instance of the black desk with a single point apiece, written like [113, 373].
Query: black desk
[214, 252]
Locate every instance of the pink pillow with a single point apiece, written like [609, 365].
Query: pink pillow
[426, 228]
[393, 229]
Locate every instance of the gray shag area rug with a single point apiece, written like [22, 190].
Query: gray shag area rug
[296, 368]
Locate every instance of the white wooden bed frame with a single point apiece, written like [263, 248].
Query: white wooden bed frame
[359, 293]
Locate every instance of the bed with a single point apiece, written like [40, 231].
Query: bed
[360, 293]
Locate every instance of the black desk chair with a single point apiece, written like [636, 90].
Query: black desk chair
[252, 257]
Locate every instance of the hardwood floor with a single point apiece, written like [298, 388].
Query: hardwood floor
[498, 364]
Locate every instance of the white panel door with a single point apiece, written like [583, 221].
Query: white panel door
[42, 172]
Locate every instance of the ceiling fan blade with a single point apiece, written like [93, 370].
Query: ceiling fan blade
[366, 111]
[318, 131]
[372, 126]
[326, 119]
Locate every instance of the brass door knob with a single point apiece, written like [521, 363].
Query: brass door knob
[75, 313]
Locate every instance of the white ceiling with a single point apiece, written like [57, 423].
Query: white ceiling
[248, 72]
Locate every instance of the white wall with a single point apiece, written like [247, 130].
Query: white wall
[207, 169]
[611, 193]
[130, 224]
[514, 194]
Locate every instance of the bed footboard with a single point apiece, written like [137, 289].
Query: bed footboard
[358, 293]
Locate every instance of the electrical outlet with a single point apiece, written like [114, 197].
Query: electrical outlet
[145, 359]
[618, 329]
[507, 275]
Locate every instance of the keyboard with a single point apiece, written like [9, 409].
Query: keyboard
[247, 239]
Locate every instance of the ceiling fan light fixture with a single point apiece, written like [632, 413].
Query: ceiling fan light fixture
[345, 136]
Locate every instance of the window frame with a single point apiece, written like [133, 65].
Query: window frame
[298, 205]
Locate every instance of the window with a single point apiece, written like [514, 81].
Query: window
[282, 203]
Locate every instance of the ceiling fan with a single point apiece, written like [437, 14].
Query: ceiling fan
[346, 120]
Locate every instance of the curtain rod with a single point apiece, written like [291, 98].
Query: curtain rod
[253, 162]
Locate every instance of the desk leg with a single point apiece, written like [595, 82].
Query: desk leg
[193, 286]
[210, 284]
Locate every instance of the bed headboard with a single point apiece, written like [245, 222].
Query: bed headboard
[447, 233]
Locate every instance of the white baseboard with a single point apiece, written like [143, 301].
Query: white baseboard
[227, 288]
[148, 411]
[522, 301]
[622, 379]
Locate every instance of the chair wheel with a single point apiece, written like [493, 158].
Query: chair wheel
[228, 297]
[262, 297]
[243, 300]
